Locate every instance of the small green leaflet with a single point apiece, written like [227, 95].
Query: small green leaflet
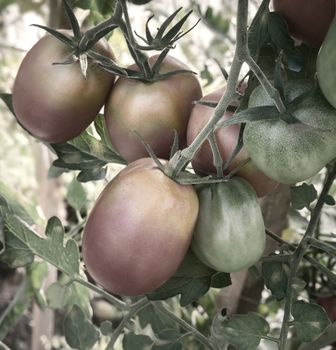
[79, 332]
[244, 332]
[310, 320]
[87, 154]
[192, 280]
[302, 196]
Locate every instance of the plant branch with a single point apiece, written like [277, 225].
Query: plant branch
[308, 258]
[132, 310]
[110, 298]
[188, 153]
[185, 325]
[299, 254]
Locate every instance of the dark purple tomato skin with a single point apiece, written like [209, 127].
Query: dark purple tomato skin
[54, 102]
[153, 110]
[139, 230]
[226, 139]
[308, 20]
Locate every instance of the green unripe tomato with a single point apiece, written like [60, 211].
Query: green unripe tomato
[230, 232]
[325, 65]
[290, 153]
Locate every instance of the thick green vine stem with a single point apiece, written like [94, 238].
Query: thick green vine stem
[179, 162]
[299, 254]
[242, 54]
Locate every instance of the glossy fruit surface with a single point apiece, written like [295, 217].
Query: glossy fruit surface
[325, 66]
[226, 139]
[139, 230]
[153, 110]
[54, 102]
[289, 153]
[229, 233]
[308, 20]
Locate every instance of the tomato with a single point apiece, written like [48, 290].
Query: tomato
[153, 110]
[325, 66]
[54, 102]
[289, 153]
[226, 139]
[329, 305]
[139, 229]
[229, 233]
[309, 20]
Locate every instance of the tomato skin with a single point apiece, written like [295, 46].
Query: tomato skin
[229, 233]
[139, 230]
[153, 110]
[290, 153]
[54, 102]
[329, 304]
[226, 139]
[325, 65]
[307, 21]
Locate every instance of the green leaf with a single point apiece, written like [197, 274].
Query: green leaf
[76, 195]
[280, 38]
[159, 322]
[7, 98]
[86, 154]
[58, 295]
[220, 280]
[79, 332]
[244, 332]
[302, 196]
[310, 320]
[19, 205]
[192, 280]
[329, 200]
[275, 275]
[22, 243]
[106, 328]
[133, 341]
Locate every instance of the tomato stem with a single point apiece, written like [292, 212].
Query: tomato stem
[299, 255]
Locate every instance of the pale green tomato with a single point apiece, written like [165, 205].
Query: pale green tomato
[289, 153]
[230, 232]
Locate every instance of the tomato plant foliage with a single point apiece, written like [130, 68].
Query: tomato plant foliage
[175, 224]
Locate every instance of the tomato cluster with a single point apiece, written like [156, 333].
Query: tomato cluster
[144, 221]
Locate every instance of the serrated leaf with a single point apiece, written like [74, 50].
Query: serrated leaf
[275, 275]
[87, 154]
[76, 195]
[21, 240]
[79, 332]
[159, 322]
[302, 196]
[310, 320]
[133, 341]
[244, 332]
[192, 280]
